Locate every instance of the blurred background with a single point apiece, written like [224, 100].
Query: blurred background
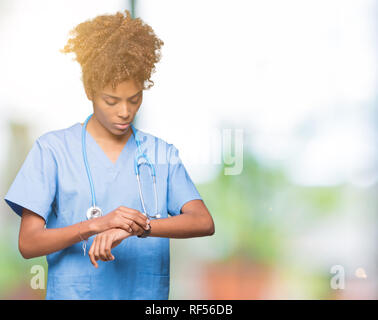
[293, 83]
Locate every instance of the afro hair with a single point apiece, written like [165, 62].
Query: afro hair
[112, 49]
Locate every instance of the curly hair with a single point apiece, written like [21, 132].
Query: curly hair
[114, 48]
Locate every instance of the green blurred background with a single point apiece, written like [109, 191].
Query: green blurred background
[297, 78]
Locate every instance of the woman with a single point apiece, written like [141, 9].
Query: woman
[91, 165]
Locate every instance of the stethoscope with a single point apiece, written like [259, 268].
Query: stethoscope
[95, 211]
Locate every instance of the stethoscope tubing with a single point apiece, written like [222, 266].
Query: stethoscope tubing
[136, 169]
[83, 136]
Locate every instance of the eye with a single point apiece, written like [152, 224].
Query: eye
[110, 104]
[136, 100]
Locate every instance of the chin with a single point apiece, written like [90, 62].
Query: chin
[118, 132]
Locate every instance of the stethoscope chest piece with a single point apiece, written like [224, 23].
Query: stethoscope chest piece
[94, 212]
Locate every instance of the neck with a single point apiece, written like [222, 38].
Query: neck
[101, 133]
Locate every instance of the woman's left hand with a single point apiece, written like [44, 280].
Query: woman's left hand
[104, 242]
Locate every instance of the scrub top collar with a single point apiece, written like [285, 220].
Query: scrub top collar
[94, 148]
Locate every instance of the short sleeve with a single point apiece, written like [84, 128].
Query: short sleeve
[181, 188]
[35, 184]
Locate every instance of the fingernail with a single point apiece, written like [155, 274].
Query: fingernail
[148, 221]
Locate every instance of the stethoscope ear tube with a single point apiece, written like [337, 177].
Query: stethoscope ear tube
[139, 156]
[137, 164]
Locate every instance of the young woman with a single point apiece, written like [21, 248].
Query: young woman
[107, 231]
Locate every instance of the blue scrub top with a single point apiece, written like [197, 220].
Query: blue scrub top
[53, 183]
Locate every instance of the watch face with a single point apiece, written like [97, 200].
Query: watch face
[145, 233]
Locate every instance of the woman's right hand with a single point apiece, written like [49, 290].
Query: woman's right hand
[104, 242]
[130, 220]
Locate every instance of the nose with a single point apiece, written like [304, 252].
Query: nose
[123, 111]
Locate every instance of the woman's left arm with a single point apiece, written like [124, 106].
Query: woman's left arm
[194, 221]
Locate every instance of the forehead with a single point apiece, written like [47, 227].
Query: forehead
[125, 89]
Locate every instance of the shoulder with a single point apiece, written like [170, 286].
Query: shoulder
[150, 139]
[55, 138]
[159, 145]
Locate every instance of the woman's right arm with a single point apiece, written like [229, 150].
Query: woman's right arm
[35, 240]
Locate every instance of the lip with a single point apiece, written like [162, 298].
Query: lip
[122, 126]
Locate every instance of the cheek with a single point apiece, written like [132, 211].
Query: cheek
[103, 116]
[138, 106]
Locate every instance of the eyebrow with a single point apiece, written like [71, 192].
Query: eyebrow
[120, 98]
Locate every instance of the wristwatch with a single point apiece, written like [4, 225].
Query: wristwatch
[145, 233]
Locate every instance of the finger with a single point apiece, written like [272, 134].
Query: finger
[102, 253]
[133, 213]
[126, 209]
[132, 225]
[126, 225]
[108, 245]
[91, 254]
[127, 228]
[96, 250]
[137, 229]
[140, 219]
[140, 231]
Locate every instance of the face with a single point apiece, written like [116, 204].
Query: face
[116, 109]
